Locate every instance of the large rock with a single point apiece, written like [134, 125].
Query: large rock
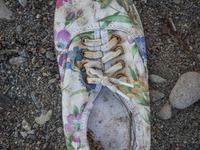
[5, 12]
[186, 91]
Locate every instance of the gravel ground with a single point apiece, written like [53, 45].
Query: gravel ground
[33, 87]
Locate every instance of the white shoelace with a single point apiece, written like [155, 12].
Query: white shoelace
[94, 76]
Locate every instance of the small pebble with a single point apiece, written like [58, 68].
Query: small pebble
[23, 134]
[7, 3]
[44, 117]
[59, 130]
[16, 134]
[155, 95]
[17, 60]
[52, 81]
[165, 112]
[51, 3]
[26, 125]
[50, 55]
[19, 29]
[33, 60]
[32, 137]
[31, 132]
[43, 51]
[38, 16]
[156, 79]
[45, 145]
[12, 93]
[177, 1]
[23, 2]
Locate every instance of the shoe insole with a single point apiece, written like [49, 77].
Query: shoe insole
[110, 122]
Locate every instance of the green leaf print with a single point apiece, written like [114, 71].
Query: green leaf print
[57, 53]
[119, 18]
[77, 92]
[147, 95]
[81, 109]
[64, 88]
[130, 2]
[148, 115]
[134, 50]
[132, 73]
[111, 32]
[69, 137]
[137, 72]
[142, 100]
[103, 26]
[80, 36]
[137, 17]
[122, 4]
[75, 111]
[106, 4]
[69, 146]
[107, 22]
[79, 146]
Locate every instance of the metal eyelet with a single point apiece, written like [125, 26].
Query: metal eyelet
[83, 39]
[119, 76]
[82, 53]
[118, 38]
[120, 48]
[122, 62]
[83, 69]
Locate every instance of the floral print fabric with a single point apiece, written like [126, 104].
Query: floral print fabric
[68, 60]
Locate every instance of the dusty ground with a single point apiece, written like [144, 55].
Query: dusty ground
[28, 91]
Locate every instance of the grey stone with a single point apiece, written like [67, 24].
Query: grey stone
[5, 102]
[45, 145]
[155, 95]
[5, 12]
[51, 3]
[31, 132]
[17, 60]
[33, 60]
[156, 79]
[60, 130]
[23, 53]
[23, 2]
[7, 3]
[50, 55]
[19, 29]
[52, 81]
[186, 91]
[165, 112]
[12, 93]
[32, 137]
[198, 56]
[177, 1]
[16, 134]
[34, 99]
[23, 134]
[26, 125]
[44, 117]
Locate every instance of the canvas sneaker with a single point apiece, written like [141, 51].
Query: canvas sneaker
[101, 55]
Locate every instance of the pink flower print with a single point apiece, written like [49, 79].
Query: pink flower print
[59, 3]
[73, 127]
[62, 39]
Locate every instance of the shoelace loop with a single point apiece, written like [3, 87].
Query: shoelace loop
[95, 76]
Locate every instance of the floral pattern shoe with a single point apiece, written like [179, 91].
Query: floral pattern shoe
[101, 55]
